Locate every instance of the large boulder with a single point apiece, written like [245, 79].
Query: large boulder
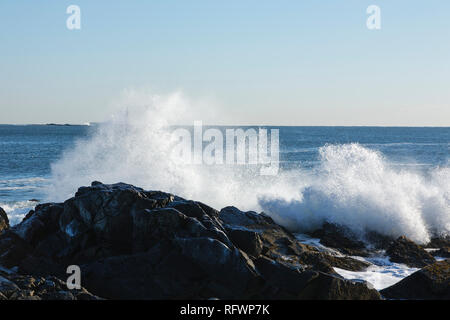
[258, 234]
[4, 221]
[329, 287]
[439, 242]
[429, 283]
[340, 238]
[282, 281]
[406, 251]
[136, 244]
[442, 252]
[440, 247]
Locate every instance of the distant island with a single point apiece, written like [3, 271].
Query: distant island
[69, 125]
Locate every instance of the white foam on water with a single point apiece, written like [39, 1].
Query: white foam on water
[17, 210]
[359, 188]
[23, 181]
[350, 184]
[381, 273]
[315, 242]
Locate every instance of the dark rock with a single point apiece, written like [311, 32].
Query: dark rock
[58, 295]
[7, 287]
[324, 262]
[248, 241]
[406, 251]
[329, 287]
[283, 281]
[341, 238]
[167, 273]
[440, 242]
[443, 252]
[36, 227]
[429, 283]
[4, 221]
[279, 244]
[120, 229]
[13, 249]
[25, 287]
[136, 244]
[377, 240]
[443, 246]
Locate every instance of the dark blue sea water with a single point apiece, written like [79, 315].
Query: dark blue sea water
[402, 145]
[27, 152]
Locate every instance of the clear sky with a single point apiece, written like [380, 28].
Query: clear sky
[278, 62]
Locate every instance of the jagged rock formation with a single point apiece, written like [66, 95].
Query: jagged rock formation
[4, 221]
[137, 244]
[429, 283]
[406, 251]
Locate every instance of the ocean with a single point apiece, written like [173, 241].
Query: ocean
[393, 180]
[32, 157]
[29, 151]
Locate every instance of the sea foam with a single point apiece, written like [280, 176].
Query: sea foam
[357, 187]
[351, 184]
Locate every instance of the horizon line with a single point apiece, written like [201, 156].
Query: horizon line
[87, 124]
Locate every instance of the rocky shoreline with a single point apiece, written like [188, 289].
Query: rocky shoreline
[136, 244]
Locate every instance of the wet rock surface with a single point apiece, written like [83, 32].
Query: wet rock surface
[14, 286]
[442, 252]
[439, 242]
[4, 221]
[280, 245]
[136, 244]
[406, 251]
[429, 283]
[342, 239]
[440, 247]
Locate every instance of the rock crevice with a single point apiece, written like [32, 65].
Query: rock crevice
[136, 244]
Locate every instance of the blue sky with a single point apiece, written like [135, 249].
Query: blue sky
[265, 62]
